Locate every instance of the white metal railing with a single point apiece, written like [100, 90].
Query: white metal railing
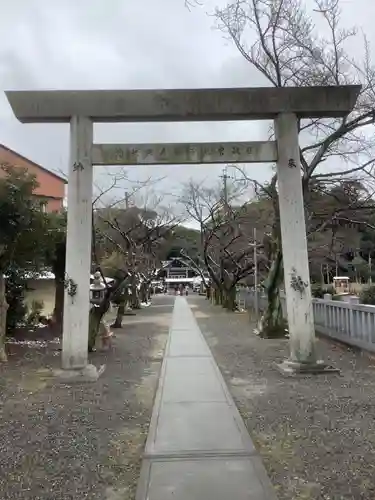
[349, 322]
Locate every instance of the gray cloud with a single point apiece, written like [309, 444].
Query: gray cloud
[95, 44]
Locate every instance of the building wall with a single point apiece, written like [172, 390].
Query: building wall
[50, 186]
[52, 204]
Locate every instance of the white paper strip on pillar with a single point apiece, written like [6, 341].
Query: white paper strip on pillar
[78, 245]
[180, 154]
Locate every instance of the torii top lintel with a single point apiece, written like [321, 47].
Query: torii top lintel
[182, 105]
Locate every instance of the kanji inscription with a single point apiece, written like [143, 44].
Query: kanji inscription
[176, 154]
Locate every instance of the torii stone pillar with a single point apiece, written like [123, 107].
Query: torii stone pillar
[78, 245]
[284, 105]
[294, 245]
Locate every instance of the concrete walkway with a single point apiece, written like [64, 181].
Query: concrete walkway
[197, 447]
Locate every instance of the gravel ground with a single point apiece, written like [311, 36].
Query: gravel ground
[84, 441]
[316, 434]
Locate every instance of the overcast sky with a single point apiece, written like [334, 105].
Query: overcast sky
[123, 44]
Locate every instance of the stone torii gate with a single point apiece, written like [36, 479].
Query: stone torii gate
[283, 105]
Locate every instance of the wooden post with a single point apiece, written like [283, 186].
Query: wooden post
[78, 245]
[294, 247]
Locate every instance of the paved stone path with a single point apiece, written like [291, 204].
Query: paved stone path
[197, 447]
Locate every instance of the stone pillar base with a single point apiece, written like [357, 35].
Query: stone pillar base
[293, 368]
[84, 375]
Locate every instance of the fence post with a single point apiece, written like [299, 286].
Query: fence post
[351, 302]
[326, 297]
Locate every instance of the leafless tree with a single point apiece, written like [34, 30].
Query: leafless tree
[118, 188]
[225, 231]
[281, 40]
[133, 238]
[192, 3]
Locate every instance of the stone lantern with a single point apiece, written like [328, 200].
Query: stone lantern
[97, 289]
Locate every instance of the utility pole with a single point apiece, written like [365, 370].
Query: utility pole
[225, 178]
[225, 185]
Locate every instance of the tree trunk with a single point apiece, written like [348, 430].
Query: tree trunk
[58, 311]
[217, 296]
[95, 317]
[229, 301]
[97, 312]
[3, 318]
[272, 324]
[120, 314]
[143, 293]
[224, 298]
[135, 298]
[58, 269]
